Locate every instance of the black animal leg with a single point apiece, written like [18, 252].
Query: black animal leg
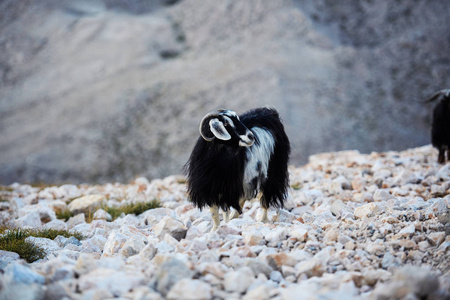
[235, 213]
[441, 157]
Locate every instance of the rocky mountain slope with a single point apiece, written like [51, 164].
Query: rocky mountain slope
[99, 91]
[355, 226]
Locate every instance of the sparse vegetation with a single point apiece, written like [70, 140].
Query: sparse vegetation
[64, 214]
[6, 189]
[53, 233]
[13, 240]
[5, 193]
[115, 212]
[137, 208]
[296, 186]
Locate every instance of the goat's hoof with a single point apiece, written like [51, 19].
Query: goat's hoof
[226, 219]
[264, 220]
[234, 215]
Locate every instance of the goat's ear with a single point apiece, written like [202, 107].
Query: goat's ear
[219, 130]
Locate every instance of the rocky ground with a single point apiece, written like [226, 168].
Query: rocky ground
[355, 226]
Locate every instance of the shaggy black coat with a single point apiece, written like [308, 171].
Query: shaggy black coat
[215, 169]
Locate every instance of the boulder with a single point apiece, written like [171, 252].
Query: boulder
[85, 203]
[190, 289]
[172, 226]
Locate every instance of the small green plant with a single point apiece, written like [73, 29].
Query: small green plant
[296, 186]
[5, 193]
[137, 208]
[6, 189]
[13, 240]
[64, 214]
[115, 212]
[53, 233]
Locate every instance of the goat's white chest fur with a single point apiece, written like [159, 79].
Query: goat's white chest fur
[258, 157]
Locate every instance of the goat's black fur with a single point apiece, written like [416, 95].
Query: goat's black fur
[440, 128]
[216, 169]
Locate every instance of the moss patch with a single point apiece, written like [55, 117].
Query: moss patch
[115, 212]
[296, 186]
[64, 215]
[13, 240]
[6, 189]
[137, 208]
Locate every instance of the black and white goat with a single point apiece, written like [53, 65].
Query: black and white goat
[440, 128]
[238, 158]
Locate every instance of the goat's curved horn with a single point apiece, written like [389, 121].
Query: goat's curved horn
[445, 92]
[205, 130]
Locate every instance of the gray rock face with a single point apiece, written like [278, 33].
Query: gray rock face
[20, 274]
[106, 90]
[170, 273]
[6, 258]
[190, 289]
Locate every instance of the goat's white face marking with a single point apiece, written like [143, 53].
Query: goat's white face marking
[229, 113]
[246, 141]
[219, 130]
[228, 121]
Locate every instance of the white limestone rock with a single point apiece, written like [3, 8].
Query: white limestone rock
[7, 257]
[170, 272]
[370, 210]
[116, 281]
[47, 245]
[114, 243]
[76, 220]
[239, 280]
[172, 226]
[101, 214]
[253, 237]
[86, 203]
[56, 225]
[31, 220]
[190, 289]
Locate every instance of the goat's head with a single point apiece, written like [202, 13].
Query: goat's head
[224, 127]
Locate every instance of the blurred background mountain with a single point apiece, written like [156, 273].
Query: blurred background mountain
[107, 90]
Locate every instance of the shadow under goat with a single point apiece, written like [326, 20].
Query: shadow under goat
[440, 128]
[238, 158]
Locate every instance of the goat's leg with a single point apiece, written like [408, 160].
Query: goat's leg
[264, 218]
[215, 216]
[226, 215]
[235, 213]
[441, 157]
